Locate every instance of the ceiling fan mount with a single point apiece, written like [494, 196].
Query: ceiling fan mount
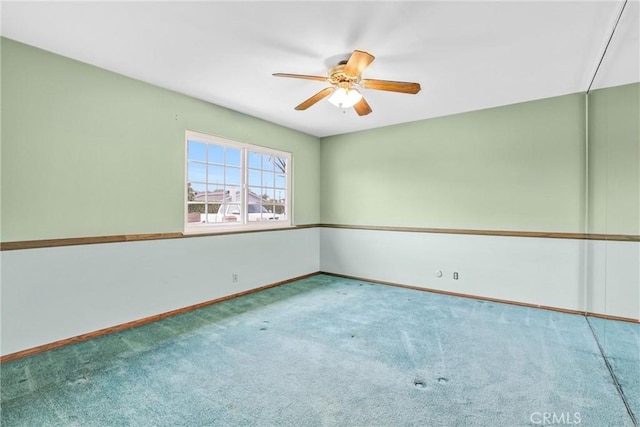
[337, 76]
[344, 77]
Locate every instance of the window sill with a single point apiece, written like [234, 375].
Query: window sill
[214, 230]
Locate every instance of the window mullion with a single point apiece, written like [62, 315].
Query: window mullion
[243, 194]
[206, 184]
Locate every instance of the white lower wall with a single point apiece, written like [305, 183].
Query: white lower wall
[56, 293]
[540, 271]
[613, 285]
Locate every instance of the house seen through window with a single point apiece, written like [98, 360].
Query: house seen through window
[235, 185]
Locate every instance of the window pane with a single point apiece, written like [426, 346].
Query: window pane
[233, 176]
[280, 196]
[256, 213]
[255, 178]
[279, 210]
[268, 162]
[195, 191]
[232, 209]
[268, 179]
[196, 172]
[254, 208]
[233, 156]
[232, 194]
[212, 212]
[254, 195]
[197, 151]
[215, 194]
[195, 213]
[281, 164]
[255, 160]
[268, 194]
[280, 205]
[197, 186]
[230, 213]
[281, 181]
[216, 175]
[216, 154]
[274, 214]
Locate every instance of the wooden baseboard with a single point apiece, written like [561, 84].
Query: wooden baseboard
[482, 298]
[139, 322]
[609, 317]
[154, 318]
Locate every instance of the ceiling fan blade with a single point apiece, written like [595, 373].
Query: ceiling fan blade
[315, 98]
[362, 107]
[301, 76]
[357, 62]
[403, 87]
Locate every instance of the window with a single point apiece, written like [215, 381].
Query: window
[232, 185]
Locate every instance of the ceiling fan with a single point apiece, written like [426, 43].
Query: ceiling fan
[344, 78]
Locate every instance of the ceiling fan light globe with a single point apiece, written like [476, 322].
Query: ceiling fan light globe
[345, 98]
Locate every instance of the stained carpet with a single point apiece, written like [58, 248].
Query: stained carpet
[327, 351]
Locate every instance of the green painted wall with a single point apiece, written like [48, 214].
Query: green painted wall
[88, 152]
[614, 160]
[518, 167]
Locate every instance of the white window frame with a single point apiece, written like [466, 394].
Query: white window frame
[243, 225]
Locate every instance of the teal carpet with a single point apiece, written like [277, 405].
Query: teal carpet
[326, 351]
[620, 342]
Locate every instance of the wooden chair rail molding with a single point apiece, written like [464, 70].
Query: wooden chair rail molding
[72, 241]
[507, 233]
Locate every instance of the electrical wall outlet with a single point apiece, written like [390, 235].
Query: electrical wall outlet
[234, 277]
[455, 275]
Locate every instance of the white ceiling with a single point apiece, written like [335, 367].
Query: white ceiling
[466, 55]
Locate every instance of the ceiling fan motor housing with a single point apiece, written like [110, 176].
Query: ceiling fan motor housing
[339, 78]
